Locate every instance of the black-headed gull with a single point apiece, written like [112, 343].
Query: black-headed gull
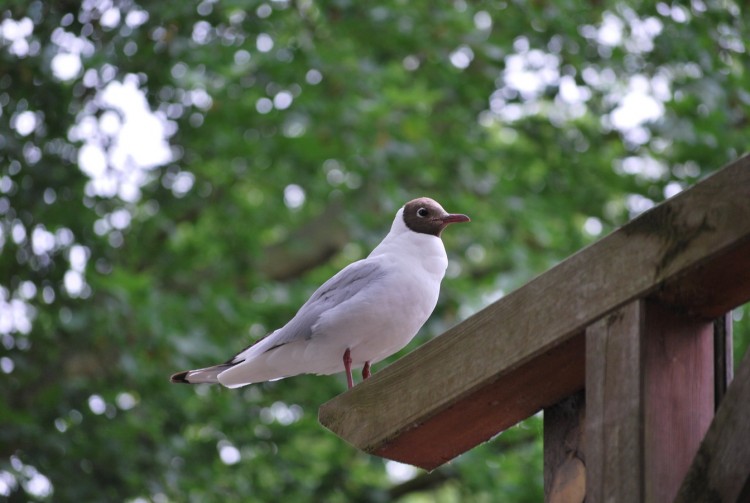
[365, 313]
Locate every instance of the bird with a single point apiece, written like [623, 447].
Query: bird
[366, 312]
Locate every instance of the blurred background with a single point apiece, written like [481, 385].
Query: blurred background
[176, 178]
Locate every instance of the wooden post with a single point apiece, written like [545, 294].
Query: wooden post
[678, 396]
[614, 400]
[564, 447]
[650, 396]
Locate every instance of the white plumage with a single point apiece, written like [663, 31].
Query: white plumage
[368, 311]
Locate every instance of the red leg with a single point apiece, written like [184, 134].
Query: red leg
[366, 370]
[348, 367]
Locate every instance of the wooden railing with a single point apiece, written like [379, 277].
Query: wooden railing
[638, 320]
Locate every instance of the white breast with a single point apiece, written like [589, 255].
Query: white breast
[416, 264]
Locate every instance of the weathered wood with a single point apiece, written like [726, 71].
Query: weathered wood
[723, 357]
[678, 396]
[469, 381]
[720, 471]
[564, 447]
[712, 289]
[649, 395]
[614, 407]
[495, 407]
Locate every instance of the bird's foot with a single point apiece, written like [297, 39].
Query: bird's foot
[366, 370]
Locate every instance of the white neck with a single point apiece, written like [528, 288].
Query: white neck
[405, 244]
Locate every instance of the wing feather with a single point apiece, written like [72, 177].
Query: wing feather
[350, 281]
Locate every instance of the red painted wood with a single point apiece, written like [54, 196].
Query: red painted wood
[649, 399]
[678, 396]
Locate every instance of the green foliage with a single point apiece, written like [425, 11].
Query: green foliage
[114, 275]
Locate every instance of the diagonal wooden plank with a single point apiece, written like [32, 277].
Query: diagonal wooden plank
[720, 471]
[406, 411]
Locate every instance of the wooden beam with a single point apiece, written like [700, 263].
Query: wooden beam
[559, 374]
[519, 354]
[713, 288]
[720, 471]
[614, 407]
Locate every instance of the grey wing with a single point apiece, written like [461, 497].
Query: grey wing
[347, 283]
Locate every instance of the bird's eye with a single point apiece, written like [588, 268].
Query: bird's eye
[422, 212]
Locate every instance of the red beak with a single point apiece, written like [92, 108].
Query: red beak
[455, 218]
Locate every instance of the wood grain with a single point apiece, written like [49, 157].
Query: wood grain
[564, 450]
[650, 399]
[678, 395]
[495, 407]
[614, 407]
[464, 386]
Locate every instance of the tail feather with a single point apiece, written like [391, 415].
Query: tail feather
[205, 375]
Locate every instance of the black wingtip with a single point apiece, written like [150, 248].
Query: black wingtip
[180, 377]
